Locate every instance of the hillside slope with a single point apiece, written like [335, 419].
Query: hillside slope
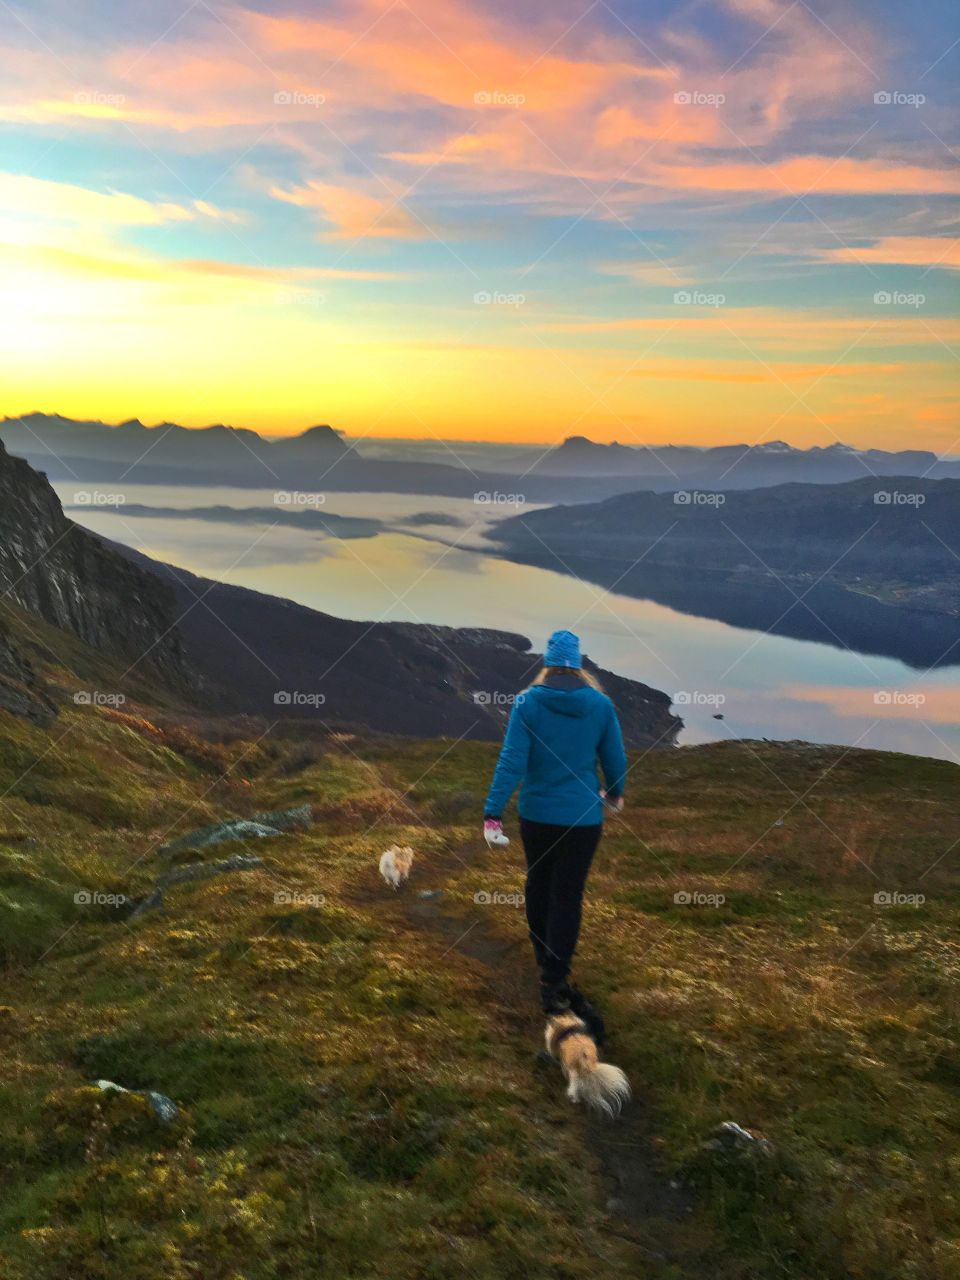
[355, 1068]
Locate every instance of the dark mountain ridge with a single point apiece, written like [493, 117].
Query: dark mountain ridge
[906, 527]
[578, 470]
[871, 565]
[739, 466]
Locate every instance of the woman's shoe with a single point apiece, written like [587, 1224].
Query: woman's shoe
[592, 1016]
[494, 834]
[555, 997]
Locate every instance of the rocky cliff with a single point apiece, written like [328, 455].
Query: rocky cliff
[68, 577]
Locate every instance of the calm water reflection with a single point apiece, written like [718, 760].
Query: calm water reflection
[763, 685]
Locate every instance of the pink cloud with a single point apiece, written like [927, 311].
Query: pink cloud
[354, 214]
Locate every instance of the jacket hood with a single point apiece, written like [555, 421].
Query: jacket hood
[574, 702]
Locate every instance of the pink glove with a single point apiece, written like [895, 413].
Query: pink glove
[493, 833]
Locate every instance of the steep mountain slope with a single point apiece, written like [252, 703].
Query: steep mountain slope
[68, 577]
[21, 689]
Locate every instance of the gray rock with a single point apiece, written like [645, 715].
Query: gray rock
[162, 1106]
[207, 870]
[152, 902]
[428, 894]
[287, 819]
[731, 1136]
[218, 833]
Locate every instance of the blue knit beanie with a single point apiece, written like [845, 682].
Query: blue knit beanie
[563, 650]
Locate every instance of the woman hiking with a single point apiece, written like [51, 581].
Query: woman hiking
[559, 729]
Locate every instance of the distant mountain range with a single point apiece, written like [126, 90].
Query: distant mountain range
[74, 604]
[871, 564]
[740, 466]
[578, 470]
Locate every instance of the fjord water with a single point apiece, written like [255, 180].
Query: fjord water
[442, 572]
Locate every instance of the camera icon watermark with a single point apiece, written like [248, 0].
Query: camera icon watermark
[698, 498]
[486, 298]
[97, 498]
[95, 98]
[898, 698]
[692, 898]
[98, 698]
[486, 498]
[885, 898]
[94, 898]
[698, 98]
[897, 98]
[698, 298]
[698, 698]
[496, 698]
[299, 298]
[487, 898]
[296, 498]
[896, 498]
[298, 698]
[296, 898]
[296, 98]
[498, 98]
[896, 298]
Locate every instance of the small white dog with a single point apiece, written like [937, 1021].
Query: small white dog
[395, 864]
[602, 1087]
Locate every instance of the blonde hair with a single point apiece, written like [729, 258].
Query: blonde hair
[588, 679]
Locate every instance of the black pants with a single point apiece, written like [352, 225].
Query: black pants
[558, 862]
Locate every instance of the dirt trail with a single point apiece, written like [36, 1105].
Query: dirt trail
[642, 1205]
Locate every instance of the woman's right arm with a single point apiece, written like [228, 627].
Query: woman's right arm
[512, 765]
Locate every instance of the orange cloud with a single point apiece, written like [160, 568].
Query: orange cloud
[911, 251]
[449, 52]
[813, 175]
[354, 214]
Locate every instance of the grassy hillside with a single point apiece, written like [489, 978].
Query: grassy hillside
[356, 1070]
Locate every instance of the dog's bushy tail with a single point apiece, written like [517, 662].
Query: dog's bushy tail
[604, 1088]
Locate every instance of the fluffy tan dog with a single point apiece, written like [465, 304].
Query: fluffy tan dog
[395, 864]
[599, 1085]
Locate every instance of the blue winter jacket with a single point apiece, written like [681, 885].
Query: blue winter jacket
[557, 733]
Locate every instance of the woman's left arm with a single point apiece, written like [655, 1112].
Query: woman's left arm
[512, 765]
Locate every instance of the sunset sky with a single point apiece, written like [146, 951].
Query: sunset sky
[651, 222]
